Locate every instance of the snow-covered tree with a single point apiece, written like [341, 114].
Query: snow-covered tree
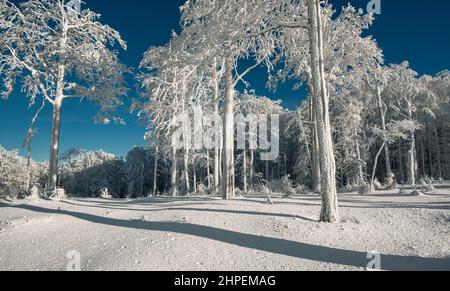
[392, 132]
[173, 85]
[252, 107]
[236, 30]
[56, 53]
[405, 88]
[17, 176]
[92, 174]
[321, 104]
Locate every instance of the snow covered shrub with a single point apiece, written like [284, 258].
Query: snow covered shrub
[16, 178]
[378, 185]
[364, 189]
[427, 185]
[390, 182]
[202, 189]
[287, 186]
[302, 190]
[104, 193]
[283, 186]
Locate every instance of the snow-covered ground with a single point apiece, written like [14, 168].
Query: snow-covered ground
[411, 233]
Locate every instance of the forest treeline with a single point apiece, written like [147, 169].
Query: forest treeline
[365, 125]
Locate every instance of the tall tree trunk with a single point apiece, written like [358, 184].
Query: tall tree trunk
[228, 180]
[252, 167]
[422, 154]
[195, 177]
[186, 172]
[220, 166]
[218, 146]
[446, 160]
[401, 164]
[208, 170]
[438, 149]
[329, 213]
[52, 182]
[315, 162]
[155, 171]
[412, 153]
[142, 180]
[173, 180]
[412, 163]
[245, 171]
[29, 168]
[383, 126]
[375, 165]
[430, 151]
[360, 166]
[54, 146]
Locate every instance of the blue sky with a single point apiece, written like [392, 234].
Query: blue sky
[413, 30]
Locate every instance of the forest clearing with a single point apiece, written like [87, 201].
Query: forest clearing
[208, 234]
[227, 135]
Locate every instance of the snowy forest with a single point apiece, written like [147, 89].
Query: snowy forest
[365, 128]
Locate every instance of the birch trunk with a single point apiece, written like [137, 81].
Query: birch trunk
[422, 154]
[446, 161]
[401, 164]
[412, 154]
[155, 172]
[245, 171]
[375, 165]
[195, 177]
[315, 162]
[360, 166]
[430, 153]
[228, 179]
[252, 167]
[217, 157]
[329, 211]
[28, 169]
[220, 166]
[173, 181]
[56, 120]
[438, 150]
[208, 170]
[186, 171]
[383, 126]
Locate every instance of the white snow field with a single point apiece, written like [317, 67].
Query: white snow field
[204, 233]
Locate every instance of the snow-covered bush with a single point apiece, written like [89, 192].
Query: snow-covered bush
[284, 186]
[16, 178]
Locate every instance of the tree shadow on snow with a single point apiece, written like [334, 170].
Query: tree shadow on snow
[361, 204]
[266, 244]
[191, 209]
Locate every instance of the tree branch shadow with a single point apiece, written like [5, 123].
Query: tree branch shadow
[192, 209]
[267, 244]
